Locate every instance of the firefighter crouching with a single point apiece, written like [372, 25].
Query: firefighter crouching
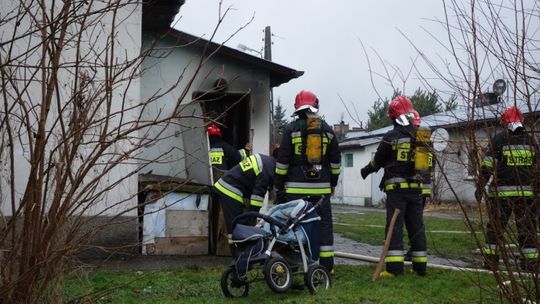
[308, 163]
[510, 161]
[243, 188]
[402, 187]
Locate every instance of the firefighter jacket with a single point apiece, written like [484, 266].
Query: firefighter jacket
[295, 174]
[510, 160]
[222, 155]
[395, 155]
[249, 180]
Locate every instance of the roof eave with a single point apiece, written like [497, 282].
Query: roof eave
[279, 74]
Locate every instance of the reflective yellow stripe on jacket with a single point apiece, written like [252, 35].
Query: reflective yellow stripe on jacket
[282, 169]
[511, 191]
[307, 188]
[335, 168]
[229, 190]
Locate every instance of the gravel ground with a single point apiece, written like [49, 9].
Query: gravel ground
[341, 244]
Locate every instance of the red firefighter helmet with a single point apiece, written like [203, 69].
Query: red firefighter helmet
[416, 118]
[399, 106]
[213, 129]
[306, 100]
[512, 118]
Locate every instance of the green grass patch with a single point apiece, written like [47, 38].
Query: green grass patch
[368, 227]
[351, 284]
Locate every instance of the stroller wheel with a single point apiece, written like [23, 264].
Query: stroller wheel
[231, 285]
[278, 275]
[317, 278]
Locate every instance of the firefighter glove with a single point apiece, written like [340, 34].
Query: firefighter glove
[367, 170]
[478, 194]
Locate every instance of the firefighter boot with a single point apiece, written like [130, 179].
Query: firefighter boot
[395, 268]
[386, 274]
[327, 262]
[419, 268]
[491, 262]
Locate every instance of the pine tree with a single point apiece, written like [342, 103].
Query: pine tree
[280, 122]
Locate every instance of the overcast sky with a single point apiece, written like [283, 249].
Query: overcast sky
[324, 39]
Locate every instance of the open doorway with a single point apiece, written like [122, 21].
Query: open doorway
[231, 111]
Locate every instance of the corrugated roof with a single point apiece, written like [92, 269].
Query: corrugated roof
[359, 142]
[451, 119]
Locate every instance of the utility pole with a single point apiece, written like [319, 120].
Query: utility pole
[267, 43]
[268, 56]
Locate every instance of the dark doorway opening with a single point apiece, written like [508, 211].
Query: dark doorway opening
[231, 112]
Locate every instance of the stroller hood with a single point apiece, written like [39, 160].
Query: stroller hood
[294, 209]
[308, 226]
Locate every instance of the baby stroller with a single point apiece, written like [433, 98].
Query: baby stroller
[287, 244]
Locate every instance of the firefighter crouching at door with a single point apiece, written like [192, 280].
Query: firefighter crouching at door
[308, 163]
[244, 187]
[222, 155]
[510, 161]
[402, 187]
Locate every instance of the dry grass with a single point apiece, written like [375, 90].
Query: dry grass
[454, 207]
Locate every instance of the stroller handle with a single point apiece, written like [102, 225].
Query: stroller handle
[319, 201]
[314, 207]
[273, 222]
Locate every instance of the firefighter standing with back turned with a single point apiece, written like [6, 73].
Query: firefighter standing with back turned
[308, 163]
[510, 161]
[402, 187]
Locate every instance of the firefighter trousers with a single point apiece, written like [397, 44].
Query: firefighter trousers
[326, 257]
[410, 204]
[524, 210]
[231, 209]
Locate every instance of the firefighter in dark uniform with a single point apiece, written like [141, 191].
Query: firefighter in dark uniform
[510, 161]
[222, 155]
[308, 163]
[244, 186]
[402, 187]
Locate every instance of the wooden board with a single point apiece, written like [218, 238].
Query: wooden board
[222, 243]
[183, 245]
[186, 223]
[168, 183]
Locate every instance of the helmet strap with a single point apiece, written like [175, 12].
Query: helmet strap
[513, 126]
[403, 120]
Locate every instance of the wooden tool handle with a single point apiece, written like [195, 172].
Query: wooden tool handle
[380, 264]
